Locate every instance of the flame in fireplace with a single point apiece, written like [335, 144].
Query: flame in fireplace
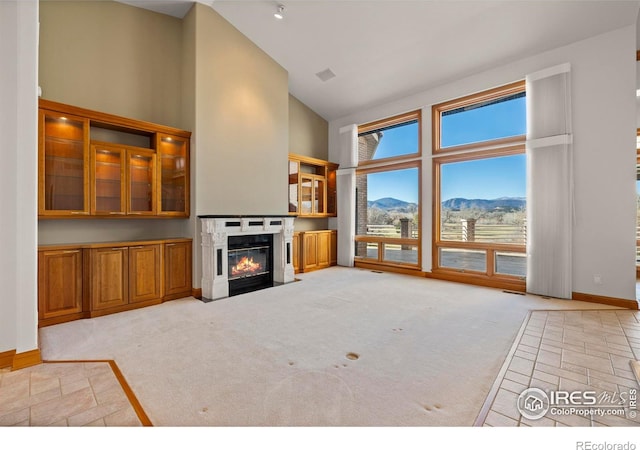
[245, 266]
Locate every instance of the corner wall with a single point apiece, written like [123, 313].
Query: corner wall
[18, 185]
[604, 129]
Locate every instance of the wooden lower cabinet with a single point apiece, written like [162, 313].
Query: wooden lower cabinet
[97, 279]
[177, 269]
[60, 285]
[145, 273]
[315, 250]
[295, 250]
[108, 278]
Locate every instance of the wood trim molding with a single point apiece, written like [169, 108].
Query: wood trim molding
[26, 359]
[112, 121]
[386, 267]
[493, 392]
[390, 121]
[638, 55]
[478, 279]
[196, 292]
[131, 396]
[6, 359]
[603, 300]
[135, 404]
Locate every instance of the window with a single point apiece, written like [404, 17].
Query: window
[480, 190]
[388, 139]
[388, 192]
[493, 117]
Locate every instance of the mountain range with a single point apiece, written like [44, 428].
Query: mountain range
[507, 203]
[392, 204]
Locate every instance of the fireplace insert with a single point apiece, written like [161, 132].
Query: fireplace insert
[250, 263]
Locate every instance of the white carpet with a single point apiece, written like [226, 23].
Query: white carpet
[428, 351]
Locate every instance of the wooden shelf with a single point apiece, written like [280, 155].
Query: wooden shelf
[65, 151]
[312, 191]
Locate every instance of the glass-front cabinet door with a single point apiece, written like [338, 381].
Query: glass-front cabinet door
[109, 180]
[294, 186]
[173, 154]
[306, 195]
[318, 195]
[63, 165]
[141, 179]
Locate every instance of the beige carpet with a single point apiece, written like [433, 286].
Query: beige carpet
[340, 347]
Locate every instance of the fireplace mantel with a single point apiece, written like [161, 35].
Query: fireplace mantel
[215, 248]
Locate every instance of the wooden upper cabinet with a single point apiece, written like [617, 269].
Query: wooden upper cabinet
[141, 182]
[123, 179]
[173, 175]
[97, 164]
[109, 180]
[312, 187]
[63, 164]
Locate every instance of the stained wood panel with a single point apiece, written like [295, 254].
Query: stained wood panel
[59, 283]
[144, 273]
[109, 277]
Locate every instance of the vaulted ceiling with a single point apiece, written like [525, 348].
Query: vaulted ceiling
[381, 50]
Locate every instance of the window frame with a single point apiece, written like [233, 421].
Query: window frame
[470, 152]
[389, 122]
[491, 94]
[408, 161]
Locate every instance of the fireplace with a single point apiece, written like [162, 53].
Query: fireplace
[245, 253]
[250, 259]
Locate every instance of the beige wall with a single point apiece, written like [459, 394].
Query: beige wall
[308, 132]
[241, 132]
[308, 136]
[113, 58]
[117, 59]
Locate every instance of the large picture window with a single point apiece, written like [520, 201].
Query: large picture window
[388, 192]
[480, 190]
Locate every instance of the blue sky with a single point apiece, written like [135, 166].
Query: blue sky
[486, 179]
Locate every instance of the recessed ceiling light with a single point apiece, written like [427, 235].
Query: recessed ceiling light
[279, 14]
[326, 75]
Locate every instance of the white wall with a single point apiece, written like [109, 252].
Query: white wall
[18, 184]
[604, 125]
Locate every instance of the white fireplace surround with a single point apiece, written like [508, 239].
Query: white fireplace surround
[215, 248]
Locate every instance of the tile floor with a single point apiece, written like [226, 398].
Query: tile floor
[571, 351]
[64, 394]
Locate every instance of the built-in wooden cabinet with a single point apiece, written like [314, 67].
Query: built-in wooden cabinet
[89, 280]
[59, 284]
[173, 179]
[63, 161]
[312, 187]
[93, 164]
[145, 273]
[295, 251]
[313, 250]
[177, 269]
[108, 277]
[123, 180]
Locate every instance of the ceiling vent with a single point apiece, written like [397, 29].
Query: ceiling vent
[326, 75]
